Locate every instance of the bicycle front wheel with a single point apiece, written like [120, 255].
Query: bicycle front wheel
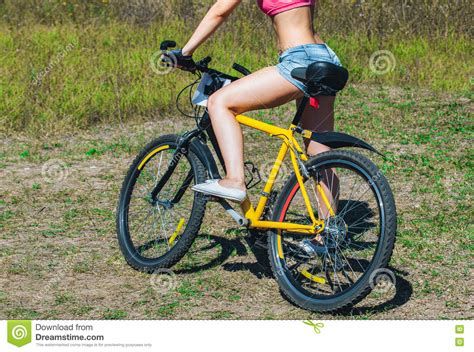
[157, 233]
[333, 270]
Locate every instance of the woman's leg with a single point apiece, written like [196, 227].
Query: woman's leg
[261, 90]
[319, 120]
[322, 120]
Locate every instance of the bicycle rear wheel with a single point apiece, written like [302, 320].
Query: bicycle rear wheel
[334, 270]
[157, 234]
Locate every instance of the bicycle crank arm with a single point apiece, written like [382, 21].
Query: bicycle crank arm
[231, 211]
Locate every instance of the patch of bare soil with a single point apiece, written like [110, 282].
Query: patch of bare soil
[60, 258]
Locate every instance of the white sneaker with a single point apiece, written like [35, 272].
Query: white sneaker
[213, 188]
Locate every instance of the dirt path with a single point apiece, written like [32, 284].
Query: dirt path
[60, 259]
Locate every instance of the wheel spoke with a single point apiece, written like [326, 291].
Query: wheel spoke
[349, 239]
[150, 223]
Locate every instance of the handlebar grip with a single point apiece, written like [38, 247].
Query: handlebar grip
[241, 69]
[167, 44]
[205, 61]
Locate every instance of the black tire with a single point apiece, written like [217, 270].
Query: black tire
[383, 249]
[193, 224]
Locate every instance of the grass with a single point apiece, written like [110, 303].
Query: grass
[373, 17]
[67, 227]
[68, 75]
[77, 85]
[114, 314]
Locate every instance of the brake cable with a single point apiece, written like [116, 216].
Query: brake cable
[190, 87]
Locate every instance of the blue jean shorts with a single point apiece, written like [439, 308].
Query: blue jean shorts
[303, 56]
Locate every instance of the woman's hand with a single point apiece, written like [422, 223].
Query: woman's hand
[176, 59]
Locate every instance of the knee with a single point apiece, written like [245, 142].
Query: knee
[218, 102]
[215, 102]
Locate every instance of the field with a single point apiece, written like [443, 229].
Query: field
[60, 258]
[81, 94]
[65, 66]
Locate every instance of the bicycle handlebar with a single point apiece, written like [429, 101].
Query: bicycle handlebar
[203, 65]
[167, 44]
[241, 69]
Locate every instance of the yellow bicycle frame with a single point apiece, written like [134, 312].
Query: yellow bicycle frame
[290, 145]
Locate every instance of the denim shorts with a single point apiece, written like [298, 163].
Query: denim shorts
[303, 56]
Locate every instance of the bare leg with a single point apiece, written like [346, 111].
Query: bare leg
[322, 120]
[260, 90]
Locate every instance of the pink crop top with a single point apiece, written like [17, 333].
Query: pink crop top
[274, 7]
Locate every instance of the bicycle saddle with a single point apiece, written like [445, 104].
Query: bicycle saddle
[322, 78]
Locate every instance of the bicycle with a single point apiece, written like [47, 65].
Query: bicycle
[323, 259]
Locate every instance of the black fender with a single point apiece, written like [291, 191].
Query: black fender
[204, 155]
[336, 140]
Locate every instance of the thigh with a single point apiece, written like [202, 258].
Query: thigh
[263, 89]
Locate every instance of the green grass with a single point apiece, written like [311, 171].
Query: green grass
[96, 80]
[66, 76]
[114, 314]
[23, 312]
[167, 310]
[424, 135]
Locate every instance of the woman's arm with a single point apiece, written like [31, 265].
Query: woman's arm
[216, 15]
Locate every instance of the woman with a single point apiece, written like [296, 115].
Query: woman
[267, 88]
